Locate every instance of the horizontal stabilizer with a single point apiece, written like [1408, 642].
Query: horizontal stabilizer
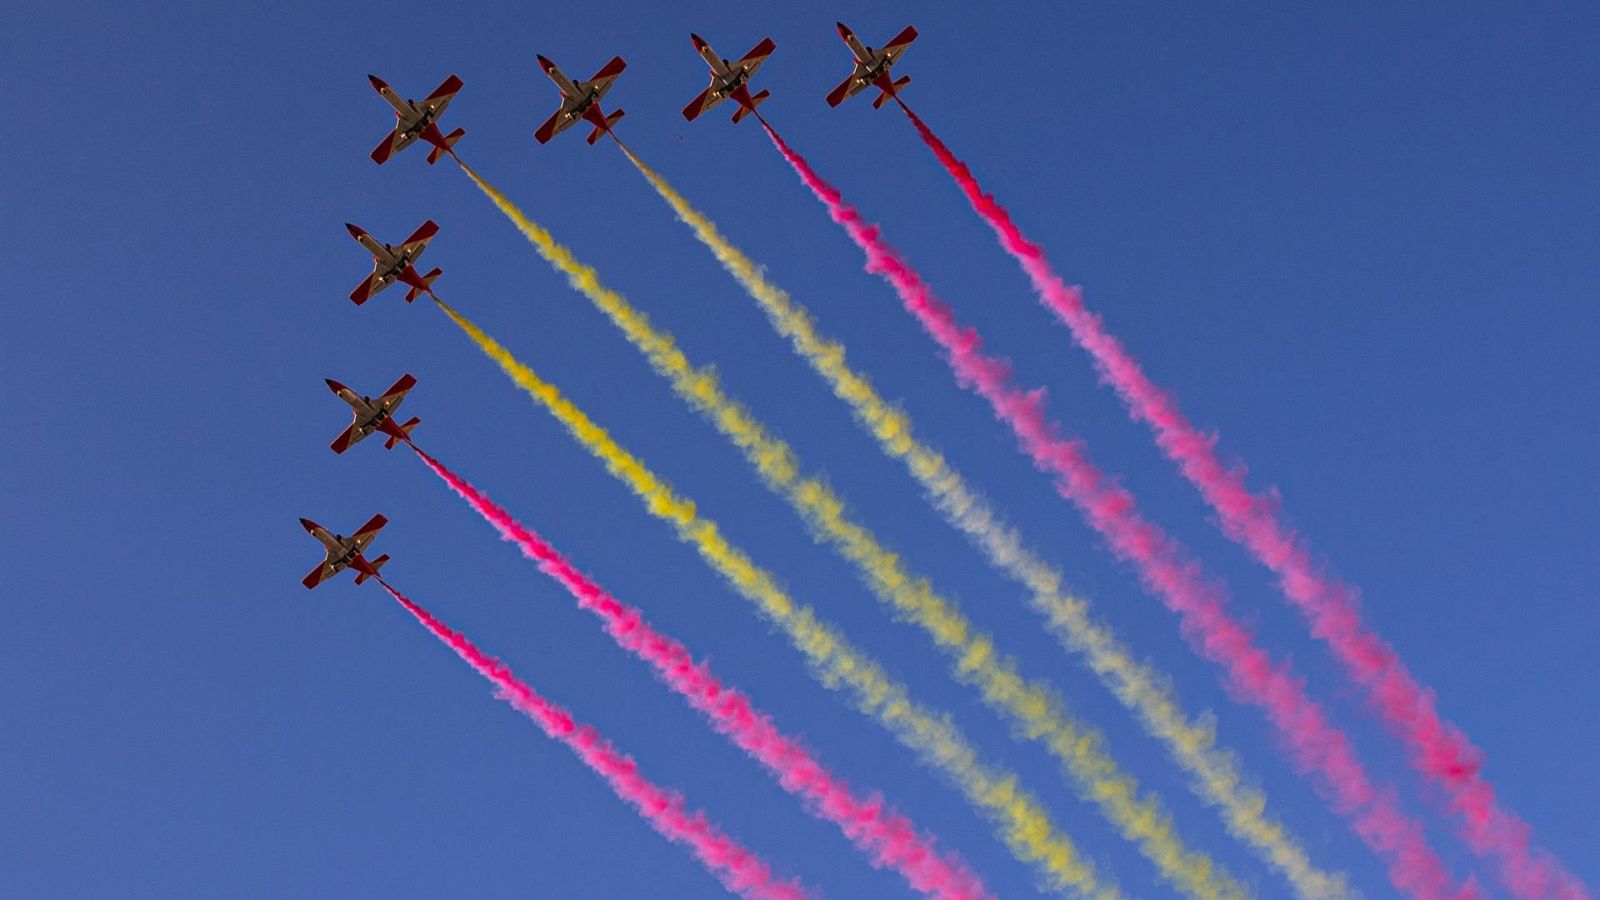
[755, 101]
[890, 92]
[405, 429]
[449, 145]
[374, 566]
[427, 281]
[602, 129]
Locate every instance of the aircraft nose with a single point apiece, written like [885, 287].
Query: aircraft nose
[333, 385]
[377, 82]
[843, 31]
[699, 44]
[544, 64]
[354, 231]
[308, 525]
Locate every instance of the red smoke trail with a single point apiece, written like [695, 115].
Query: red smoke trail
[886, 836]
[1438, 749]
[1315, 744]
[738, 869]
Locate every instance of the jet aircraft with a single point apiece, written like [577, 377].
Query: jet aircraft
[730, 79]
[580, 100]
[345, 552]
[415, 120]
[374, 415]
[391, 264]
[872, 67]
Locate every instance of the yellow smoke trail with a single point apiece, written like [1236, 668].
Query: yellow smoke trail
[1022, 821]
[1033, 709]
[1142, 690]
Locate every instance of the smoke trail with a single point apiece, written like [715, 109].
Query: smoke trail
[886, 836]
[1142, 690]
[1315, 744]
[1020, 820]
[1438, 749]
[741, 871]
[1034, 710]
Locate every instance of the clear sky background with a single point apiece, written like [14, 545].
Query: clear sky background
[1359, 242]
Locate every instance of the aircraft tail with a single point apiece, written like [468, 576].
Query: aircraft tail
[376, 565]
[755, 101]
[602, 129]
[427, 280]
[449, 145]
[889, 91]
[404, 429]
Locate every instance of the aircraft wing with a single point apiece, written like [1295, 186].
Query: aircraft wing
[316, 576]
[351, 435]
[375, 282]
[557, 123]
[758, 55]
[601, 82]
[368, 532]
[397, 392]
[396, 141]
[420, 238]
[700, 104]
[901, 41]
[847, 88]
[442, 95]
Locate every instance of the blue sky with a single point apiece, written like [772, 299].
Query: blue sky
[1360, 243]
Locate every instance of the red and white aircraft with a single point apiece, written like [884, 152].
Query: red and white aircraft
[730, 79]
[392, 264]
[872, 67]
[417, 120]
[581, 100]
[374, 415]
[345, 552]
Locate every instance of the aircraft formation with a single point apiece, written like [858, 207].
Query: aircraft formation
[1498, 843]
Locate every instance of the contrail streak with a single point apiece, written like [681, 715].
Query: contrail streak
[1165, 569]
[887, 837]
[741, 871]
[1145, 692]
[1438, 749]
[1033, 709]
[1020, 820]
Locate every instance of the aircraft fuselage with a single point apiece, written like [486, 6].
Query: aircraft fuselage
[391, 263]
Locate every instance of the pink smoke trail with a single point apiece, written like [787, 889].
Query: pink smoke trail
[1437, 749]
[741, 871]
[1315, 745]
[886, 836]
